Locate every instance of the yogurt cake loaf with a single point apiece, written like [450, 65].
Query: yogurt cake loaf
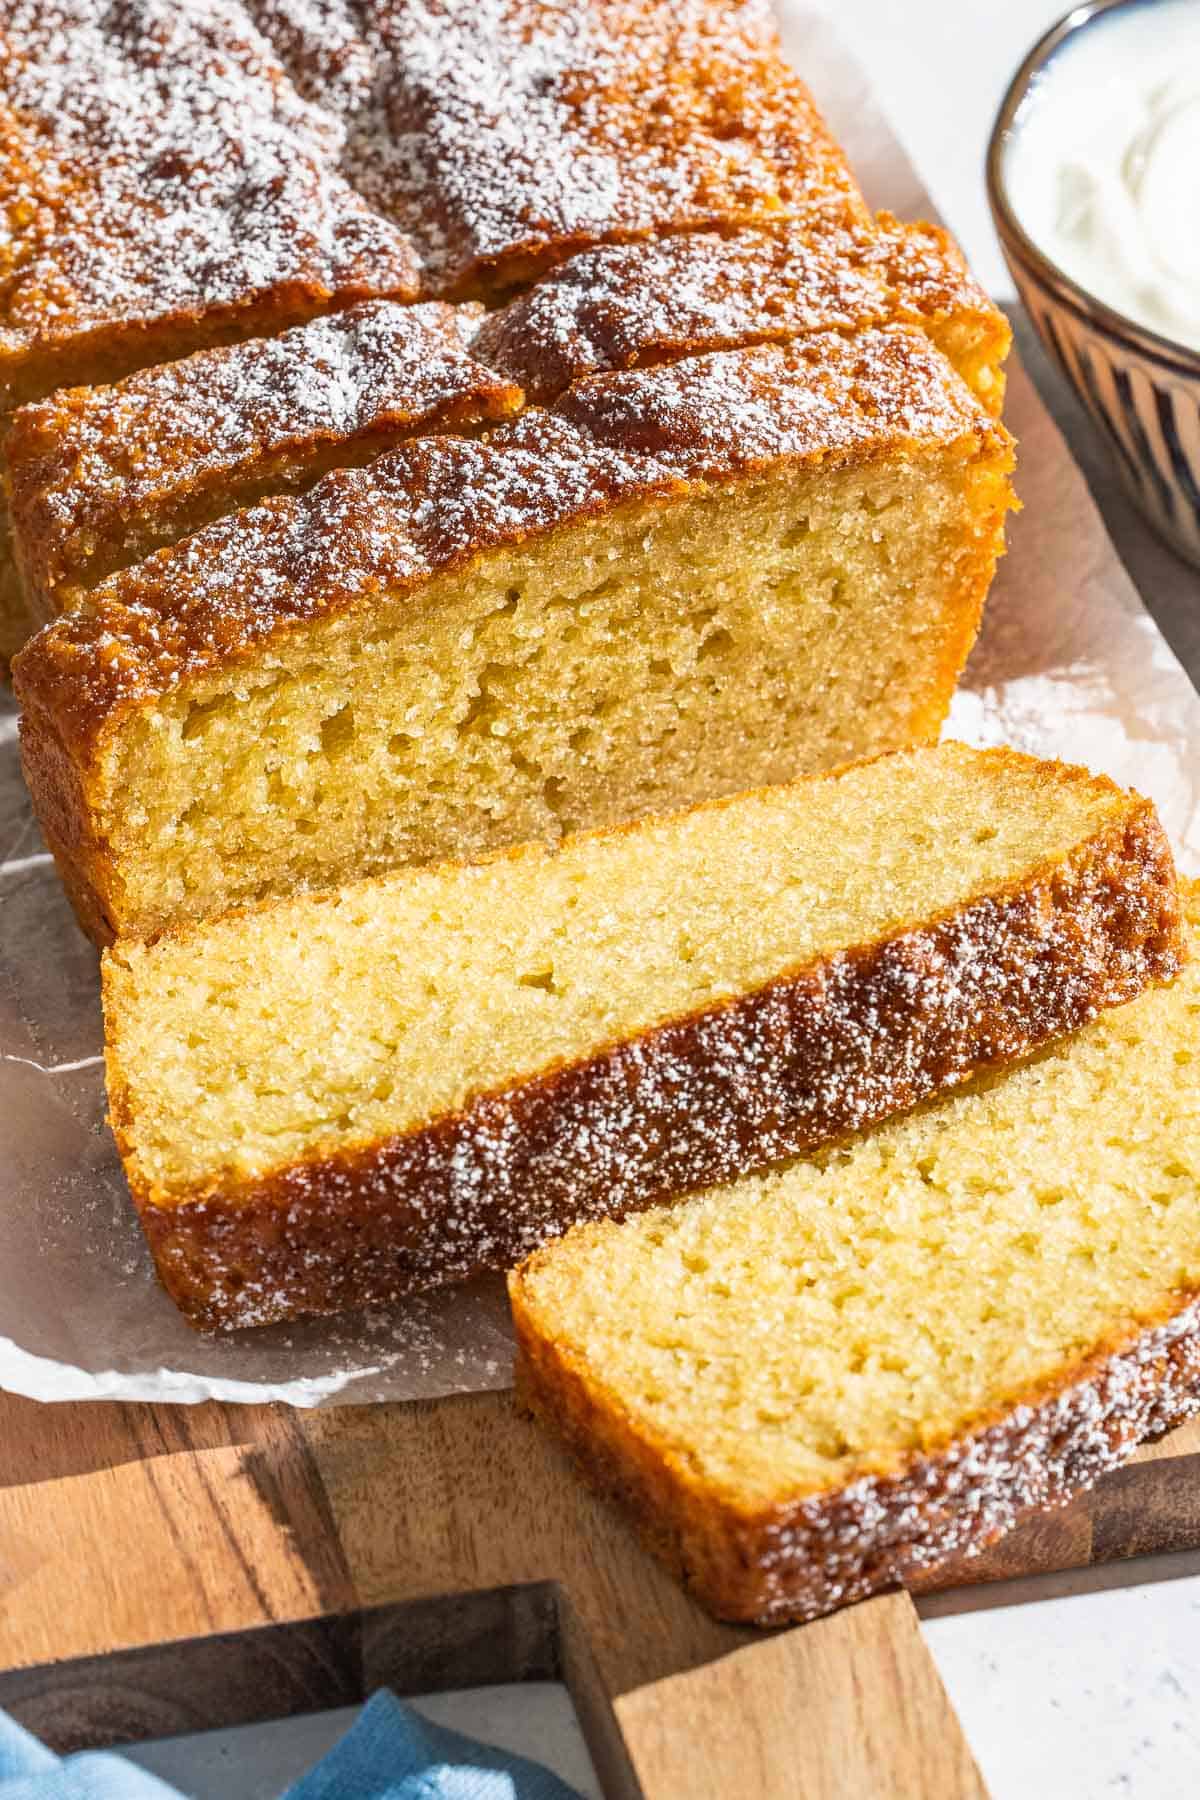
[824, 1380]
[190, 176]
[340, 1098]
[676, 582]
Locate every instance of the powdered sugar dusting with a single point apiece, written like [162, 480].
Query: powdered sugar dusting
[505, 132]
[164, 168]
[92, 468]
[822, 397]
[618, 306]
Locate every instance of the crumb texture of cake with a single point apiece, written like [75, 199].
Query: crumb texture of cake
[99, 477]
[502, 135]
[165, 184]
[679, 582]
[338, 1098]
[625, 306]
[823, 1380]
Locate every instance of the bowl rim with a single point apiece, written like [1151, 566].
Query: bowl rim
[1141, 338]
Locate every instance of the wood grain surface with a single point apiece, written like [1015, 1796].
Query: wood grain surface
[482, 1497]
[165, 1569]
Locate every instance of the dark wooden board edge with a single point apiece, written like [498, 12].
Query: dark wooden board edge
[490, 1637]
[276, 1671]
[453, 1548]
[528, 1632]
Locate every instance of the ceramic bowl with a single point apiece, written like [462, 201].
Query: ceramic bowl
[1142, 389]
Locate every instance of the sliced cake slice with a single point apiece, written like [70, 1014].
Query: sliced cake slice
[822, 1381]
[339, 1098]
[626, 306]
[98, 477]
[680, 581]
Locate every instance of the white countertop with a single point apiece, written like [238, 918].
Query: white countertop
[1074, 1687]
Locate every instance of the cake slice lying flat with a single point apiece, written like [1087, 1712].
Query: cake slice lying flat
[681, 581]
[822, 1381]
[342, 1097]
[99, 477]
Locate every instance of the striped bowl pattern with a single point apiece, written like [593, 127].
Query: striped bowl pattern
[1142, 390]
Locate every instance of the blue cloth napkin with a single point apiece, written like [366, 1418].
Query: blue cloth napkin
[389, 1753]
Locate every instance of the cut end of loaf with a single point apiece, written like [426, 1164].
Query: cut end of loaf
[605, 612]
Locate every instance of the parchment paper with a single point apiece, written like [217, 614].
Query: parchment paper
[1069, 664]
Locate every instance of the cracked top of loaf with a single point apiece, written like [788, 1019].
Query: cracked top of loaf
[175, 175]
[622, 305]
[94, 473]
[437, 502]
[164, 185]
[504, 135]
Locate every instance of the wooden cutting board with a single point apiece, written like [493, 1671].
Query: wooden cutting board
[169, 1569]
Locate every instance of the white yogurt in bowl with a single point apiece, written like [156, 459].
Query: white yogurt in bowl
[1102, 163]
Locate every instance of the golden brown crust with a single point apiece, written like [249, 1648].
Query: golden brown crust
[528, 131]
[65, 804]
[925, 270]
[215, 600]
[931, 286]
[164, 187]
[628, 306]
[14, 627]
[98, 477]
[816, 1055]
[796, 1561]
